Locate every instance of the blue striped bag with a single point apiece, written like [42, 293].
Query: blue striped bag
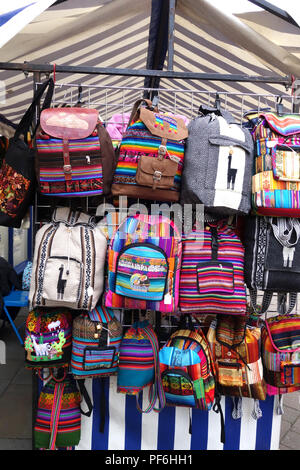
[139, 365]
[97, 336]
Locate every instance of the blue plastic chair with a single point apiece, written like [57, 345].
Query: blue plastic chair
[16, 298]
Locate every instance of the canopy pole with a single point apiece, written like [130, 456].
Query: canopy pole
[73, 69]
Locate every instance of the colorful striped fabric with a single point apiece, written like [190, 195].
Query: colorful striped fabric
[58, 419]
[138, 141]
[281, 353]
[210, 285]
[187, 370]
[276, 178]
[144, 261]
[139, 366]
[96, 341]
[236, 352]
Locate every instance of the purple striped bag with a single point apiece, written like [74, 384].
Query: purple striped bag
[212, 272]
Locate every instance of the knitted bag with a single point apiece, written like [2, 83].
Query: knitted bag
[144, 260]
[151, 155]
[48, 338]
[281, 353]
[58, 419]
[139, 365]
[187, 370]
[212, 272]
[276, 179]
[218, 164]
[96, 340]
[235, 348]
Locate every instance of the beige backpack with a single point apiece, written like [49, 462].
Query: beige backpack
[68, 263]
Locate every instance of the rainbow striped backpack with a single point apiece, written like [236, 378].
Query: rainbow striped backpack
[276, 179]
[58, 419]
[281, 354]
[151, 155]
[187, 370]
[212, 272]
[139, 365]
[144, 259]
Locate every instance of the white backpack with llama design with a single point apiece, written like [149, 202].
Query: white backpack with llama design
[68, 263]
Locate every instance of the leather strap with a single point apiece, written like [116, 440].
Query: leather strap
[67, 164]
[133, 115]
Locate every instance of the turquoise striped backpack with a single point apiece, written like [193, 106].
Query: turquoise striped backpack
[139, 365]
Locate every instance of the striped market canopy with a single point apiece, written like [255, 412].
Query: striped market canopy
[124, 34]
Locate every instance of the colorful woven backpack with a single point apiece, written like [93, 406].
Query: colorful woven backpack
[96, 341]
[139, 365]
[144, 260]
[187, 370]
[276, 179]
[58, 418]
[151, 155]
[236, 352]
[281, 354]
[212, 271]
[74, 153]
[48, 338]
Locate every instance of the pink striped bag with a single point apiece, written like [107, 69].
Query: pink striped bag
[212, 272]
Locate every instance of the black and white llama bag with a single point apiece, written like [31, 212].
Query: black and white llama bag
[218, 164]
[68, 263]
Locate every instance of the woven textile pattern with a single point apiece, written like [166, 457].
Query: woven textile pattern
[236, 351]
[65, 414]
[144, 283]
[281, 353]
[187, 371]
[95, 345]
[138, 141]
[276, 179]
[206, 286]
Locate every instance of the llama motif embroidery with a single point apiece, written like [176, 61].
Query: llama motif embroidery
[61, 284]
[231, 172]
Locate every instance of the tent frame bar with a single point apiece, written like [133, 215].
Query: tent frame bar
[75, 69]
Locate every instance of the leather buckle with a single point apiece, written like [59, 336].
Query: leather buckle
[157, 175]
[162, 150]
[67, 169]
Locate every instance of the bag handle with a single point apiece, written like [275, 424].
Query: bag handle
[27, 119]
[267, 297]
[136, 107]
[55, 412]
[266, 300]
[284, 229]
[156, 391]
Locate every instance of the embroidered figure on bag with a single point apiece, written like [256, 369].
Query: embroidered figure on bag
[288, 256]
[61, 284]
[231, 172]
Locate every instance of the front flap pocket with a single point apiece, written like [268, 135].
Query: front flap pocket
[181, 389]
[216, 278]
[99, 358]
[286, 163]
[230, 374]
[141, 272]
[289, 373]
[156, 173]
[62, 280]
